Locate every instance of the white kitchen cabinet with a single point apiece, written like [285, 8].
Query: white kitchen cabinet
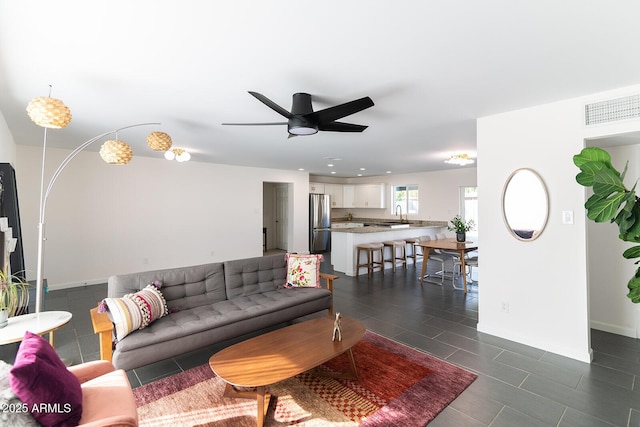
[316, 187]
[348, 196]
[370, 196]
[335, 191]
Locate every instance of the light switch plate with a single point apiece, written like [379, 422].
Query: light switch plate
[567, 217]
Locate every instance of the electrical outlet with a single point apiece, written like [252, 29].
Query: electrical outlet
[145, 260]
[505, 306]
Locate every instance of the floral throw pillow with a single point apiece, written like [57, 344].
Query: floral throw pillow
[135, 311]
[303, 271]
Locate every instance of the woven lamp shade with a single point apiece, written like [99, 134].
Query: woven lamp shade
[159, 141]
[116, 152]
[49, 112]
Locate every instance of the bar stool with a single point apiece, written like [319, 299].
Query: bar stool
[370, 249]
[395, 245]
[411, 243]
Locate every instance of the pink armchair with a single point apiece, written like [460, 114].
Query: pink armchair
[107, 398]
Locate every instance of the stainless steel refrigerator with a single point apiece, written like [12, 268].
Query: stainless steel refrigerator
[319, 223]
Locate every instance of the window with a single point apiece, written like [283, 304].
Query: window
[405, 196]
[469, 206]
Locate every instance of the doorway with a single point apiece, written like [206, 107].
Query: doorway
[276, 216]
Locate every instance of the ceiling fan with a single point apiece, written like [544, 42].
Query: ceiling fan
[302, 120]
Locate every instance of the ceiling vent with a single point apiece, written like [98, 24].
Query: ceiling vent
[612, 110]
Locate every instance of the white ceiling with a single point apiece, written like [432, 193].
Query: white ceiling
[431, 67]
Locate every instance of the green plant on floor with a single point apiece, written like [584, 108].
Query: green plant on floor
[14, 293]
[612, 201]
[458, 225]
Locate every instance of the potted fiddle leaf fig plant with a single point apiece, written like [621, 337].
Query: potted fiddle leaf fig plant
[14, 296]
[612, 201]
[461, 227]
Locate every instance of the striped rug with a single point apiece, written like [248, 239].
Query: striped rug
[397, 386]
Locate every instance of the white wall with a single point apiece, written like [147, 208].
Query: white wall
[439, 197]
[150, 214]
[534, 292]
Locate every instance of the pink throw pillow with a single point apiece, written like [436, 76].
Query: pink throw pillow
[41, 380]
[303, 271]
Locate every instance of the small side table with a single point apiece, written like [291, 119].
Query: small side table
[45, 322]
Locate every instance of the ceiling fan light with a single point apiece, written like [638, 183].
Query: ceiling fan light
[169, 155]
[303, 130]
[116, 152]
[49, 112]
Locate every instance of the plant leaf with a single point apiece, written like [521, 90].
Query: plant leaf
[632, 252]
[591, 154]
[606, 209]
[588, 171]
[606, 181]
[634, 288]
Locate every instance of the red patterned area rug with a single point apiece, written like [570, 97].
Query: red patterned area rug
[397, 386]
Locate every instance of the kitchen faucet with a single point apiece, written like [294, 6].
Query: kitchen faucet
[399, 206]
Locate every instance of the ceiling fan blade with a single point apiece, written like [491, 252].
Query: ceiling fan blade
[341, 127]
[254, 124]
[339, 111]
[269, 103]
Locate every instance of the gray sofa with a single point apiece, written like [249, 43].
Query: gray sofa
[208, 304]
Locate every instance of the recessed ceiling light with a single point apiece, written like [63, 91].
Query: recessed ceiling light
[333, 171]
[363, 169]
[330, 165]
[388, 171]
[300, 169]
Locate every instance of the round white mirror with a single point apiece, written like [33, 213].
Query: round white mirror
[525, 204]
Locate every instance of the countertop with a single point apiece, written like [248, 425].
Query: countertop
[372, 228]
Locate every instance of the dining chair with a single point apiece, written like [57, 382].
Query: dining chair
[470, 261]
[437, 256]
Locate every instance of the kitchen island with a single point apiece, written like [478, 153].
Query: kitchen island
[344, 241]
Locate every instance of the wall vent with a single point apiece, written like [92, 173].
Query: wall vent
[612, 110]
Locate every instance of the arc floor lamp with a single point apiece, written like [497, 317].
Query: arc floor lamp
[51, 113]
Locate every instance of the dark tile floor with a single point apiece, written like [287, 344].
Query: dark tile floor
[517, 385]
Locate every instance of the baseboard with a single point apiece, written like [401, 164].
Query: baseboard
[60, 286]
[614, 329]
[572, 353]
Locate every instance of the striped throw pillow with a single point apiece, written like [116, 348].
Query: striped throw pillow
[135, 311]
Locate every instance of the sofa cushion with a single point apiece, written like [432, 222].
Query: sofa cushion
[183, 288]
[251, 276]
[199, 327]
[303, 270]
[222, 314]
[42, 381]
[135, 311]
[109, 400]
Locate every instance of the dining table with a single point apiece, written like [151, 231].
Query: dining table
[448, 245]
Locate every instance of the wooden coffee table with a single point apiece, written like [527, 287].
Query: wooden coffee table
[281, 354]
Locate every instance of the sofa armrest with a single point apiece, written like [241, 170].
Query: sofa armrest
[329, 279]
[104, 328]
[90, 370]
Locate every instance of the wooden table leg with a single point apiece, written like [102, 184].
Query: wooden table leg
[51, 340]
[425, 258]
[262, 407]
[350, 374]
